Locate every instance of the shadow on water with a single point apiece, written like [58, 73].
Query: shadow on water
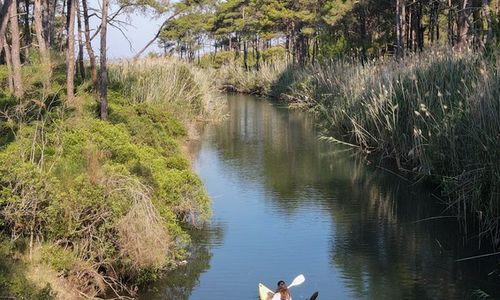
[382, 241]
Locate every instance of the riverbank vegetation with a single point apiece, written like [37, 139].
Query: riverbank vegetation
[90, 207]
[96, 195]
[414, 81]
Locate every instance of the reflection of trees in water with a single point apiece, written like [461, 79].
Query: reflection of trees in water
[380, 250]
[280, 147]
[377, 246]
[179, 284]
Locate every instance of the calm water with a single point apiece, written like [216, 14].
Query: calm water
[285, 203]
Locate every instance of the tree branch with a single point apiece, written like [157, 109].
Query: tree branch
[157, 34]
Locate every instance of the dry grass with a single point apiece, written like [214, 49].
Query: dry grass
[183, 88]
[41, 275]
[234, 78]
[143, 238]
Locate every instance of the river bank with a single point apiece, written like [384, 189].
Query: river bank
[93, 208]
[435, 114]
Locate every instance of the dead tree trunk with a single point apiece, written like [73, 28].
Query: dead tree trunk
[70, 51]
[103, 77]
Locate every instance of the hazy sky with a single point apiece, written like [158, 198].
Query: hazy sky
[139, 32]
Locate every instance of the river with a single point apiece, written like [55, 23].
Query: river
[286, 203]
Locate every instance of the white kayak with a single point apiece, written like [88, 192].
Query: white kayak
[265, 293]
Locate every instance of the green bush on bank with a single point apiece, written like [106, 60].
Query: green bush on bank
[100, 203]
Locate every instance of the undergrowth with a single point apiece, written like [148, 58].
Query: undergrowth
[99, 207]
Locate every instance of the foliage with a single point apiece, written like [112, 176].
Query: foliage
[107, 198]
[13, 282]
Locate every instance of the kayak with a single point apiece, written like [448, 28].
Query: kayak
[265, 293]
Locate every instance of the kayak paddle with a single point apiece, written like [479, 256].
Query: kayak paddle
[314, 296]
[297, 281]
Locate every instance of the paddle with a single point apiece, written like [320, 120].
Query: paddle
[296, 281]
[314, 296]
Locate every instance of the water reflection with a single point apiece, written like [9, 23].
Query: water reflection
[179, 284]
[291, 204]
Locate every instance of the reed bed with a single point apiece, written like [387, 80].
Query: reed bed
[437, 114]
[182, 88]
[234, 78]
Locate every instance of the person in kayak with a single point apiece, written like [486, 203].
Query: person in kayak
[282, 291]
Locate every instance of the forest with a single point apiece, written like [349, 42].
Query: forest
[91, 153]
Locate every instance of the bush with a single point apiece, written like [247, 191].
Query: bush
[108, 199]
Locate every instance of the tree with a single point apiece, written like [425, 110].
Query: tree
[41, 42]
[4, 19]
[103, 78]
[81, 67]
[88, 45]
[15, 51]
[70, 50]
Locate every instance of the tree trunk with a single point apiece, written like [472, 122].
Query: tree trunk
[26, 29]
[451, 38]
[486, 14]
[4, 20]
[245, 54]
[463, 24]
[58, 35]
[103, 78]
[70, 51]
[399, 45]
[42, 46]
[434, 22]
[257, 53]
[15, 51]
[8, 61]
[81, 67]
[90, 51]
[45, 20]
[420, 27]
[50, 31]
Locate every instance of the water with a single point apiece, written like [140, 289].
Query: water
[286, 203]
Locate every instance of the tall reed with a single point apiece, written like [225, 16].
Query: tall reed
[233, 77]
[183, 88]
[437, 114]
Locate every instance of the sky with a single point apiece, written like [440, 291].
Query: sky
[140, 31]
